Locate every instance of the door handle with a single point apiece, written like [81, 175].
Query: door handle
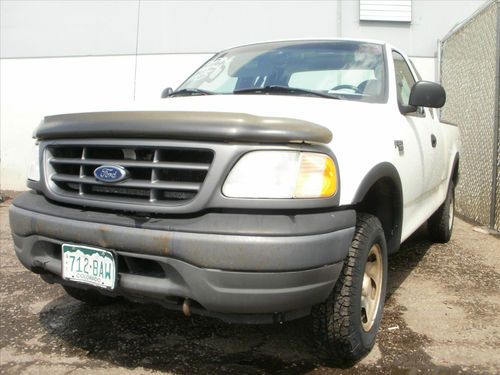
[433, 140]
[399, 145]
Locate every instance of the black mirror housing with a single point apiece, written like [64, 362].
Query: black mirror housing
[427, 94]
[166, 92]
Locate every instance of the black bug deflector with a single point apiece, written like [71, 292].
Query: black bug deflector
[201, 126]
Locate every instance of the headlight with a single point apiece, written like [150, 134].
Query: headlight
[282, 174]
[34, 169]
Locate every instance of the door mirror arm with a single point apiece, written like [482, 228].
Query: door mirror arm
[405, 109]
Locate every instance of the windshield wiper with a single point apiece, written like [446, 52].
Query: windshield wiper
[284, 89]
[189, 92]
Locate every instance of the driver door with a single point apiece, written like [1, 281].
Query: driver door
[416, 159]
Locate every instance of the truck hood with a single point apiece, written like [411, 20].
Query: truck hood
[322, 111]
[252, 118]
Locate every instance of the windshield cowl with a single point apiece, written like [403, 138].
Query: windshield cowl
[284, 90]
[189, 92]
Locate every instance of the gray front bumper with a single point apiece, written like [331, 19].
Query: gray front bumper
[227, 263]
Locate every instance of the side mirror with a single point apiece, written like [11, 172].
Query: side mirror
[166, 92]
[427, 94]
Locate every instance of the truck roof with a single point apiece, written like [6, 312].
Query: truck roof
[301, 40]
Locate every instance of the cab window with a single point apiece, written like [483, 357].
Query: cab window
[404, 79]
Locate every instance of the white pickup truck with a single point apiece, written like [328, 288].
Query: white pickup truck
[271, 185]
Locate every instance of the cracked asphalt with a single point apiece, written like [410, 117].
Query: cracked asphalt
[441, 316]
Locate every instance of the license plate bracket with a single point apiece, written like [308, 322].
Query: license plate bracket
[89, 265]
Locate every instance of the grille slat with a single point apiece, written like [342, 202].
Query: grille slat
[174, 185]
[132, 163]
[153, 195]
[155, 175]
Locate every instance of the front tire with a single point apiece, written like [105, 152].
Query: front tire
[440, 224]
[346, 324]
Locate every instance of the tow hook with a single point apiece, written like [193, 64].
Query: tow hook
[186, 307]
[279, 318]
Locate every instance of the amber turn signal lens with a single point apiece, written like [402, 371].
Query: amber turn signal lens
[317, 176]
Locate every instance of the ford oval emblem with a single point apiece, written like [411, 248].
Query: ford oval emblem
[110, 173]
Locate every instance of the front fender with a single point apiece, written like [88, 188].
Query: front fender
[380, 193]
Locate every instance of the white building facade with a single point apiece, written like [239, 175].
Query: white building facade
[59, 56]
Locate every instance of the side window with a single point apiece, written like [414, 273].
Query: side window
[404, 78]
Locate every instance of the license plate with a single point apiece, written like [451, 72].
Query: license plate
[88, 265]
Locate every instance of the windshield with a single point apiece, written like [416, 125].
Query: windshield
[340, 69]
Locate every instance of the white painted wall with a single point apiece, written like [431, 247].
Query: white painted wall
[43, 28]
[427, 67]
[431, 20]
[109, 27]
[156, 72]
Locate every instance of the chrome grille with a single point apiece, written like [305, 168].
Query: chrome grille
[155, 174]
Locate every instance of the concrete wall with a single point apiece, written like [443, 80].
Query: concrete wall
[42, 28]
[64, 55]
[431, 20]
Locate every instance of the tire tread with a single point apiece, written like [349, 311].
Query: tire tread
[437, 224]
[332, 319]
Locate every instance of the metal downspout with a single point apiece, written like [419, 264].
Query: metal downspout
[496, 124]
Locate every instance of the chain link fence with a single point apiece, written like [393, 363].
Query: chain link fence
[469, 71]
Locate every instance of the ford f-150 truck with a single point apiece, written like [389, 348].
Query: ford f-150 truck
[271, 185]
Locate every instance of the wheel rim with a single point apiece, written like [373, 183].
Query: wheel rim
[451, 213]
[372, 287]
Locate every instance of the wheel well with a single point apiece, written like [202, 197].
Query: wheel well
[384, 200]
[454, 173]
